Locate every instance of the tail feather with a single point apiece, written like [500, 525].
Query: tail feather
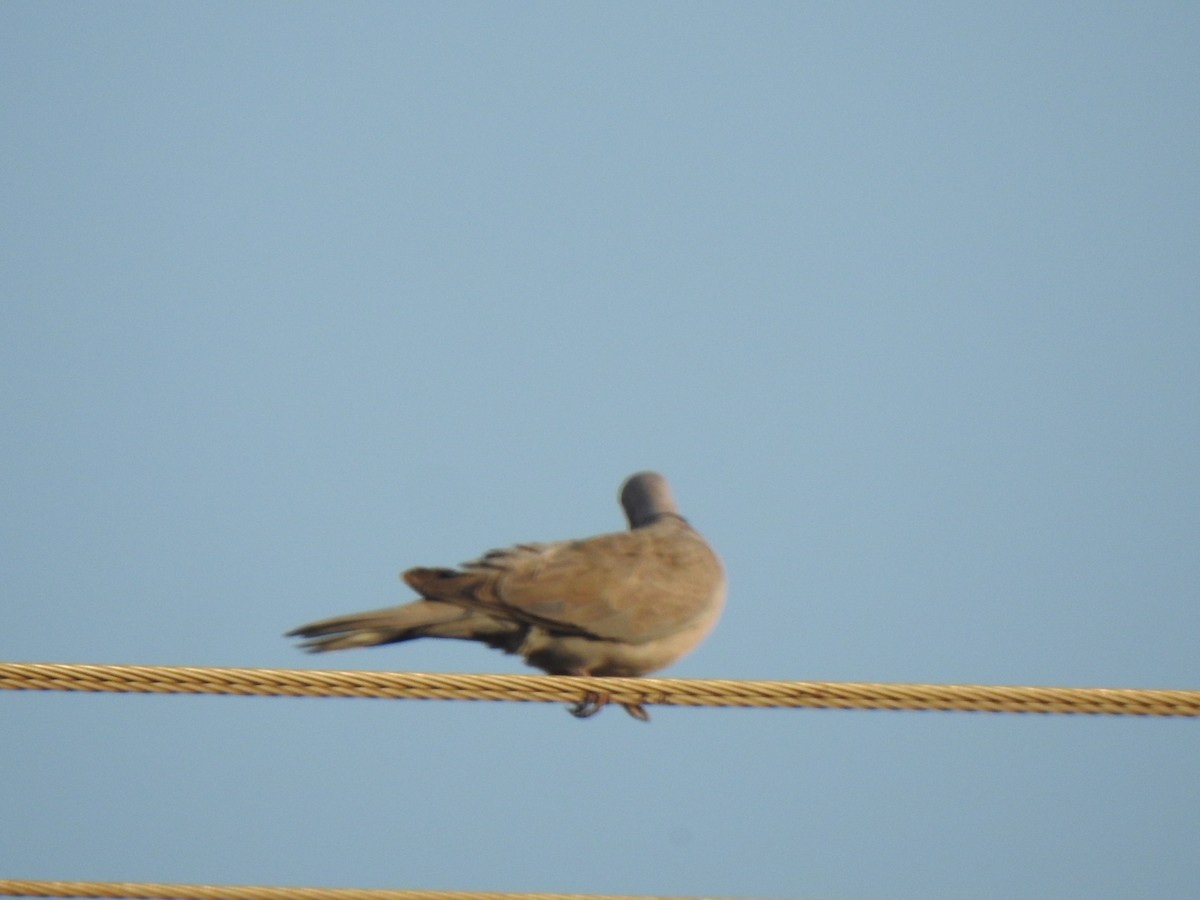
[381, 626]
[421, 618]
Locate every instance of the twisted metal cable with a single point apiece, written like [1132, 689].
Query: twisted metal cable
[154, 891]
[562, 689]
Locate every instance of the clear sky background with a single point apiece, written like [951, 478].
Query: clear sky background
[903, 298]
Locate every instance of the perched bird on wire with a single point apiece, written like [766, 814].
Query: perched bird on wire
[621, 604]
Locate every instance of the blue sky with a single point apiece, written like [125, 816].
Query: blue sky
[901, 297]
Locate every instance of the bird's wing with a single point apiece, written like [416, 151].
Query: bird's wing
[632, 587]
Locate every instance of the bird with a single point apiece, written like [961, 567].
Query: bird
[622, 604]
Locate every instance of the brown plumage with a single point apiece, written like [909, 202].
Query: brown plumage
[627, 603]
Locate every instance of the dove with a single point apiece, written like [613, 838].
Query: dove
[621, 604]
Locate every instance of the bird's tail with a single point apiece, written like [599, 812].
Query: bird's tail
[380, 626]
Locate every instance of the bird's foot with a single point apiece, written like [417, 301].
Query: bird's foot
[637, 711]
[593, 702]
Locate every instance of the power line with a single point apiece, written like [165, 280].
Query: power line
[154, 891]
[562, 689]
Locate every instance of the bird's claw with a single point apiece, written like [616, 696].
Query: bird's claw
[637, 711]
[593, 702]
